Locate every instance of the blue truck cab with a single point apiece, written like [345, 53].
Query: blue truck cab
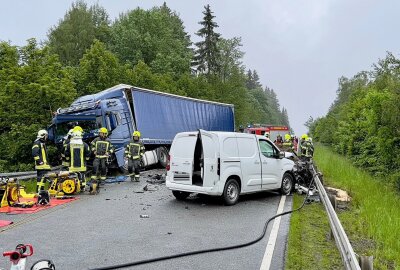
[159, 116]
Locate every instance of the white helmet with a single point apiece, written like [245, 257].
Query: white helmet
[42, 133]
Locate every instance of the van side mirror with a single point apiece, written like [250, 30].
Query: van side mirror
[281, 155]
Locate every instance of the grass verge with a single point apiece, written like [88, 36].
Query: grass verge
[309, 244]
[373, 220]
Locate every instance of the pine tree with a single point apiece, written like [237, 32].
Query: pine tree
[207, 54]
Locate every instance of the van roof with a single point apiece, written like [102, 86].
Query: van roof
[224, 134]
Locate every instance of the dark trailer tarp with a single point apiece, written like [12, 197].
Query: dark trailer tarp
[162, 116]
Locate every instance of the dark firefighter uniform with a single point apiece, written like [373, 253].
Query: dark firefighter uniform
[102, 148]
[39, 153]
[65, 162]
[306, 149]
[134, 152]
[287, 146]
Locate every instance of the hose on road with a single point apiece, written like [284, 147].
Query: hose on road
[184, 254]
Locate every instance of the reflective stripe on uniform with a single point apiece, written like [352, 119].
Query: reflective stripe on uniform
[43, 167]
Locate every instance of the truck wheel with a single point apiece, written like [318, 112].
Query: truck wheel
[180, 195]
[231, 192]
[287, 184]
[162, 155]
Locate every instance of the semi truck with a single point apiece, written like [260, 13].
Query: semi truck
[159, 116]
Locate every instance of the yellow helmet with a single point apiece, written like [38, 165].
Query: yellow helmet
[304, 136]
[287, 137]
[78, 128]
[103, 130]
[136, 134]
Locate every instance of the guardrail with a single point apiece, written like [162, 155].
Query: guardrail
[25, 175]
[342, 241]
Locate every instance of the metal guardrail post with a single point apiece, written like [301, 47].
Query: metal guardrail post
[342, 242]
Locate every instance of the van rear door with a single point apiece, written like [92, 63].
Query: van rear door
[210, 145]
[181, 158]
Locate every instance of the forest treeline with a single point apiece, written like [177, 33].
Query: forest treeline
[363, 123]
[86, 53]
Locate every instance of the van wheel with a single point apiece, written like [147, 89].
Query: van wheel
[231, 192]
[180, 195]
[287, 184]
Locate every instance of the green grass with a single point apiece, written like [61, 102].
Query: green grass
[30, 185]
[309, 244]
[373, 222]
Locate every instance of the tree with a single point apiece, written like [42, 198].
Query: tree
[253, 80]
[157, 37]
[98, 70]
[76, 32]
[207, 53]
[33, 85]
[230, 56]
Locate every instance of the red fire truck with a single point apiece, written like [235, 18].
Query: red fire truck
[272, 131]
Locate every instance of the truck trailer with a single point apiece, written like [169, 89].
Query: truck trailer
[159, 116]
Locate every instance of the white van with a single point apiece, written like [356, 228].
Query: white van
[227, 164]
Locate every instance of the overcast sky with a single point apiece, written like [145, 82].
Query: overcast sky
[299, 47]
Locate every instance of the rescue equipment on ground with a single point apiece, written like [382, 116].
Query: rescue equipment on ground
[11, 192]
[18, 258]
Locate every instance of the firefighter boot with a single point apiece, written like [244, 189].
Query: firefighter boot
[137, 176]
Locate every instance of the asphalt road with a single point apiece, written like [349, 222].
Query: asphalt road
[107, 229]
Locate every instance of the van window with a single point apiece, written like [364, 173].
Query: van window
[230, 147]
[267, 149]
[183, 147]
[247, 147]
[208, 147]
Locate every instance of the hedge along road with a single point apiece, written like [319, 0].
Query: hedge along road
[107, 229]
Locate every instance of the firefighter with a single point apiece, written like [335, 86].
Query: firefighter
[102, 149]
[77, 153]
[287, 145]
[279, 140]
[39, 153]
[306, 147]
[134, 152]
[64, 147]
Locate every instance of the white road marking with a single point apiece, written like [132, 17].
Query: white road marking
[266, 262]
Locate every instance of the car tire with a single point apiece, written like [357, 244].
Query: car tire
[287, 184]
[231, 192]
[180, 195]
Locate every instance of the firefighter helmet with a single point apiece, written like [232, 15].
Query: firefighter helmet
[304, 136]
[42, 134]
[103, 130]
[136, 134]
[287, 137]
[78, 128]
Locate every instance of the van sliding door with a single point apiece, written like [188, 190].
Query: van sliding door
[209, 144]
